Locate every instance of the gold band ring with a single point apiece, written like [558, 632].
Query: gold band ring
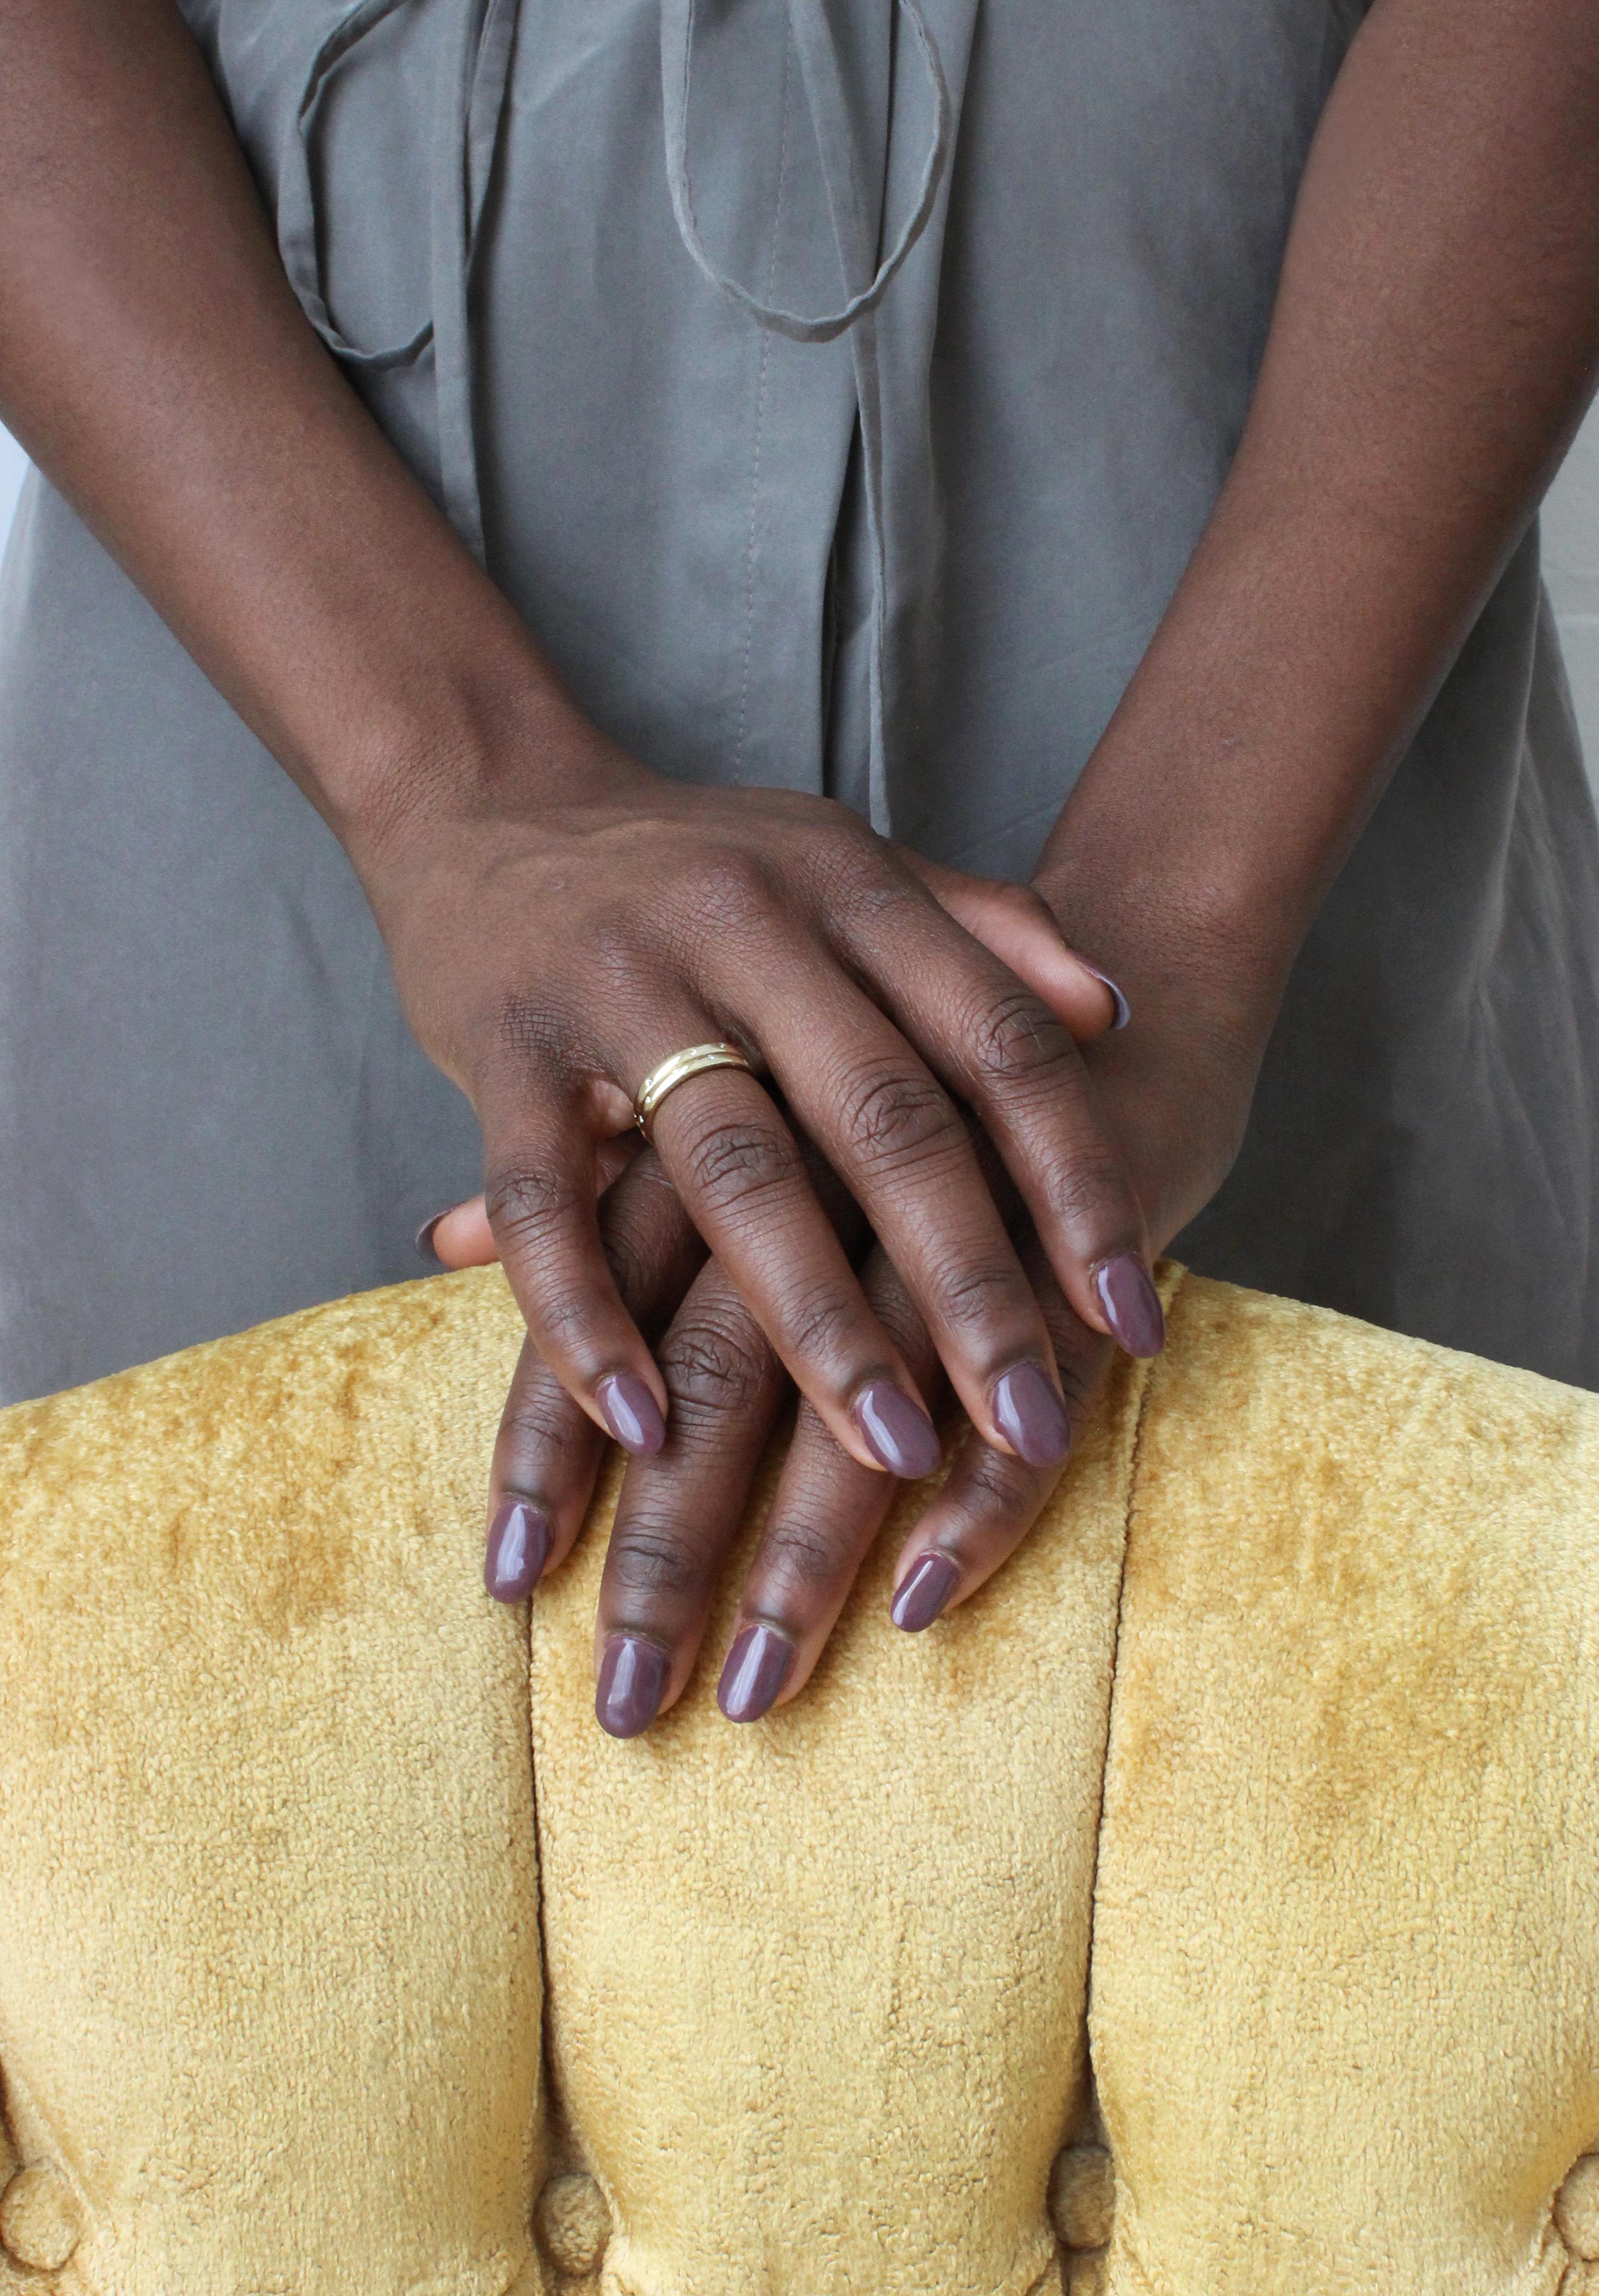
[692, 1062]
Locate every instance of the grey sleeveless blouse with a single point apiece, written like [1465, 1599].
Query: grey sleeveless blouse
[838, 387]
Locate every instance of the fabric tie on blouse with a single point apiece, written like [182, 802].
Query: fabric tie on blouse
[472, 99]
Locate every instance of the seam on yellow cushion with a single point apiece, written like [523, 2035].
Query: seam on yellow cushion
[1170, 1278]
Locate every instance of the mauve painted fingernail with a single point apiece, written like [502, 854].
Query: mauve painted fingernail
[1031, 1416]
[1123, 1011]
[758, 1666]
[633, 1675]
[518, 1547]
[631, 1413]
[932, 1581]
[424, 1236]
[1131, 1303]
[899, 1435]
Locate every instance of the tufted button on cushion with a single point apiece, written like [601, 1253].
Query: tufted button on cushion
[40, 2220]
[1577, 2207]
[573, 2223]
[1082, 2196]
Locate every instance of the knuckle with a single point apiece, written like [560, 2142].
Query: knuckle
[976, 1298]
[898, 1117]
[710, 1369]
[1015, 1039]
[564, 1318]
[728, 1163]
[818, 1325]
[646, 1562]
[730, 893]
[612, 958]
[528, 1029]
[646, 1235]
[632, 1267]
[868, 887]
[546, 1429]
[801, 1558]
[997, 1484]
[529, 1200]
[1089, 1192]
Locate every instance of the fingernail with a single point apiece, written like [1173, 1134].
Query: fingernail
[518, 1547]
[1131, 1303]
[633, 1675]
[1123, 1011]
[1031, 1416]
[929, 1585]
[899, 1434]
[424, 1236]
[631, 1413]
[758, 1666]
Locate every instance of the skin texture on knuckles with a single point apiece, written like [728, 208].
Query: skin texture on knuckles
[725, 1392]
[678, 1513]
[752, 932]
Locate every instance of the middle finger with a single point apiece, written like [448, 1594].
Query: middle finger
[902, 1147]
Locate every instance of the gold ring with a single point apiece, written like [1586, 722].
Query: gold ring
[670, 1074]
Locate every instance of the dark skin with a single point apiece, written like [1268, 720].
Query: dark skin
[1433, 347]
[560, 918]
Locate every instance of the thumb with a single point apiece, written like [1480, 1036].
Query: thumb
[1015, 925]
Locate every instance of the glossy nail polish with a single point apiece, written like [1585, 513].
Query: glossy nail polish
[633, 1675]
[928, 1584]
[518, 1547]
[1031, 1416]
[899, 1435]
[424, 1236]
[631, 1413]
[1131, 1304]
[758, 1666]
[1123, 1011]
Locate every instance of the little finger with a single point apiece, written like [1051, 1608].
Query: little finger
[547, 1453]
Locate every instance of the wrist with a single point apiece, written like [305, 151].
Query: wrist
[468, 740]
[1193, 955]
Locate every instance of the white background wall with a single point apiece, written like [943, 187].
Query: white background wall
[1571, 569]
[12, 467]
[1570, 564]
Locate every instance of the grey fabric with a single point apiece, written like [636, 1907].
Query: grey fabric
[210, 1109]
[912, 564]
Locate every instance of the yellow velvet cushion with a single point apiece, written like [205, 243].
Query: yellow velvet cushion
[340, 1952]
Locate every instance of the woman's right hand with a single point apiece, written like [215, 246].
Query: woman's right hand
[559, 935]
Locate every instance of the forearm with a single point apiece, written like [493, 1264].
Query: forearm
[1432, 349]
[155, 363]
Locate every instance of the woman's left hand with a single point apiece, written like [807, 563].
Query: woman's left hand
[1180, 1101]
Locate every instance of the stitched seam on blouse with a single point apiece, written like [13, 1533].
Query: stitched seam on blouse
[760, 417]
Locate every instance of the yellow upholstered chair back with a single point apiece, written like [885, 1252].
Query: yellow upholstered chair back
[1210, 1908]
